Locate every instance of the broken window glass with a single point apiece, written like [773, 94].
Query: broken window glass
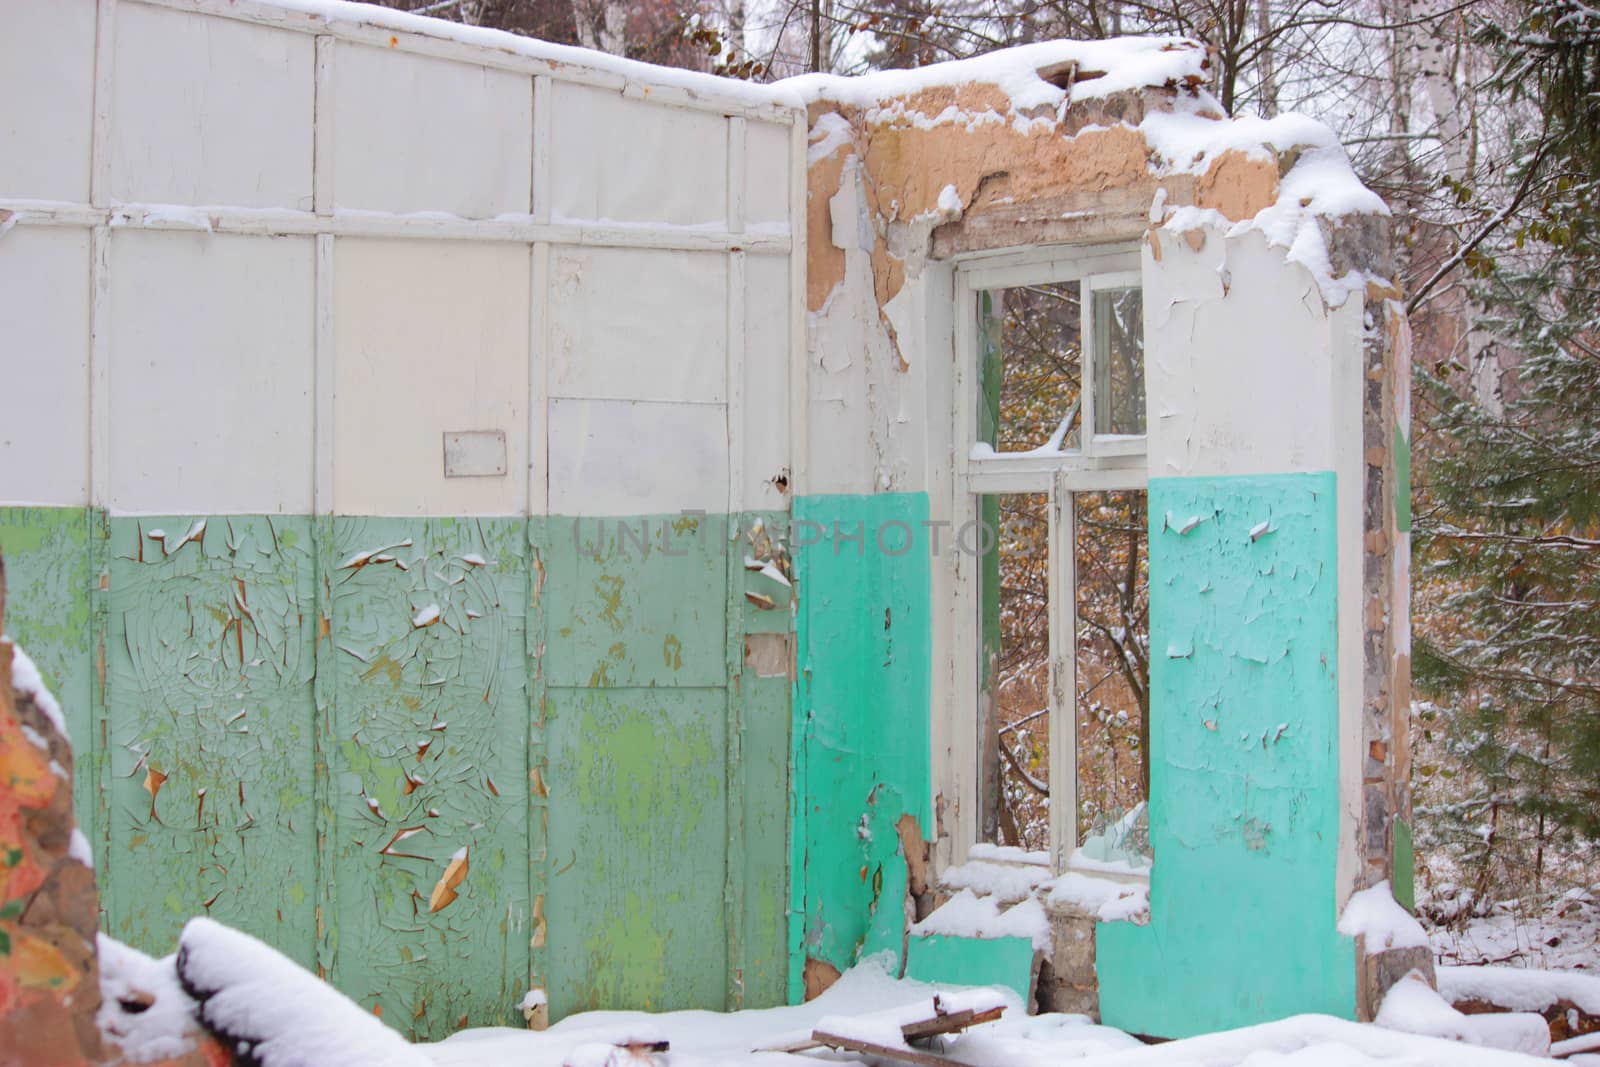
[1014, 672]
[1030, 342]
[1118, 317]
[1113, 672]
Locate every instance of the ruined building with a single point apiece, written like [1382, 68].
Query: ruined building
[499, 516]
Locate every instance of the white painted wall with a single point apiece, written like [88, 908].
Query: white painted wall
[1248, 371]
[1240, 360]
[426, 134]
[49, 90]
[211, 384]
[210, 111]
[653, 164]
[44, 366]
[256, 261]
[431, 337]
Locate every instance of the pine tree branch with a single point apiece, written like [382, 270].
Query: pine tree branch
[1489, 227]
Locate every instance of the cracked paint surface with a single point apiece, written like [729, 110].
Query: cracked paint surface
[384, 745]
[209, 775]
[861, 728]
[431, 758]
[1244, 783]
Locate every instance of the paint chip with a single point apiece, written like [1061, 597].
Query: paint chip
[444, 893]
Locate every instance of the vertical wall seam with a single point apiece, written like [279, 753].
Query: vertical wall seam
[99, 758]
[99, 412]
[322, 127]
[105, 32]
[539, 183]
[733, 611]
[324, 698]
[799, 362]
[538, 783]
[324, 691]
[537, 533]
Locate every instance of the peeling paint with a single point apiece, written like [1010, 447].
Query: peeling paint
[861, 728]
[1244, 819]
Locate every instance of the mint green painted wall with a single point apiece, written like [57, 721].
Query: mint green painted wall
[861, 726]
[588, 731]
[1244, 765]
[209, 782]
[429, 732]
[996, 961]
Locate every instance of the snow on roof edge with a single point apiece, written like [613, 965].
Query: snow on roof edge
[1122, 63]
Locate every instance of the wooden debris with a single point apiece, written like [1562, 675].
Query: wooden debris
[939, 1021]
[904, 1055]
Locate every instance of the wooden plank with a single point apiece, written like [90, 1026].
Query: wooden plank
[950, 1023]
[903, 1055]
[940, 1022]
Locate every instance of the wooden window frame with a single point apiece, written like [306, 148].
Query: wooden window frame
[1105, 462]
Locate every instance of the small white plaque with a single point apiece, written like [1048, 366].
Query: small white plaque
[474, 453]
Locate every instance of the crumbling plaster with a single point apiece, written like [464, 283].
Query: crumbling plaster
[900, 189]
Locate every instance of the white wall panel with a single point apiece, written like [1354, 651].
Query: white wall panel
[47, 83]
[1240, 361]
[633, 161]
[639, 324]
[766, 173]
[414, 133]
[765, 433]
[210, 373]
[623, 457]
[431, 337]
[44, 365]
[210, 111]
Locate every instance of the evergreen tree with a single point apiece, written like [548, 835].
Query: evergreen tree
[1508, 532]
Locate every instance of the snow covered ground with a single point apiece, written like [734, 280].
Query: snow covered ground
[1564, 934]
[707, 1039]
[291, 1019]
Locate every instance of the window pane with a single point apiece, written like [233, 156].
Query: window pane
[1014, 674]
[1030, 341]
[1113, 661]
[1119, 361]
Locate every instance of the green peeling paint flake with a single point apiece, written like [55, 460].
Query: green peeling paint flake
[308, 718]
[430, 702]
[638, 846]
[1403, 882]
[1244, 820]
[1402, 481]
[861, 723]
[209, 663]
[999, 961]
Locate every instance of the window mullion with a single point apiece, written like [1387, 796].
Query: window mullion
[1063, 623]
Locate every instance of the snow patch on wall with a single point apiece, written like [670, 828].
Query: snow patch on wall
[968, 915]
[1374, 914]
[25, 678]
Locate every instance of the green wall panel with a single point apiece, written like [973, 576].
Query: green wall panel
[861, 727]
[47, 554]
[1244, 764]
[209, 656]
[638, 831]
[431, 756]
[764, 956]
[281, 676]
[997, 961]
[637, 601]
